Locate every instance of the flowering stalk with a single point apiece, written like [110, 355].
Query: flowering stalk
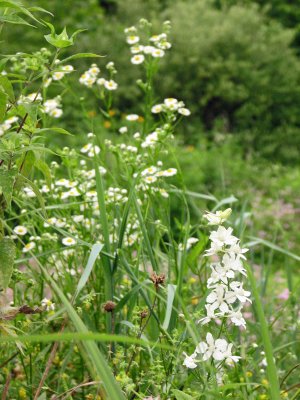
[226, 293]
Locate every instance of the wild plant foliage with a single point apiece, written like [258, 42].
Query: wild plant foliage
[107, 292]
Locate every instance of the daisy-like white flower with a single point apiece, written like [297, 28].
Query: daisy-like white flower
[47, 304]
[136, 49]
[57, 75]
[132, 39]
[148, 49]
[184, 111]
[56, 113]
[171, 102]
[110, 85]
[157, 109]
[20, 230]
[168, 172]
[150, 179]
[158, 53]
[29, 246]
[86, 148]
[101, 81]
[68, 68]
[132, 117]
[137, 59]
[68, 241]
[123, 130]
[149, 171]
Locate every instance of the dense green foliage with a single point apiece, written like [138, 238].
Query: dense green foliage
[233, 61]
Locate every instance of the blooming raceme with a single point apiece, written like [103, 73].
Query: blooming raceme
[227, 295]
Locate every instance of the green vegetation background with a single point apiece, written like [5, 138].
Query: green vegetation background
[236, 65]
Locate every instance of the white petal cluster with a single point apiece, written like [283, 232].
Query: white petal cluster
[7, 124]
[219, 350]
[226, 293]
[90, 77]
[155, 48]
[171, 105]
[52, 107]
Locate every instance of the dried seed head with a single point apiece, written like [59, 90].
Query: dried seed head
[109, 306]
[158, 279]
[144, 314]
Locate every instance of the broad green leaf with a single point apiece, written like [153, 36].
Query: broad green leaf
[7, 257]
[7, 179]
[7, 87]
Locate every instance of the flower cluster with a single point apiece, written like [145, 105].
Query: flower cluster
[219, 350]
[59, 73]
[90, 77]
[155, 48]
[227, 295]
[169, 106]
[53, 108]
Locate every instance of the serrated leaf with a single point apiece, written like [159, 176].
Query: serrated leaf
[7, 179]
[7, 258]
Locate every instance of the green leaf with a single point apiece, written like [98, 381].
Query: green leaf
[101, 369]
[96, 249]
[14, 19]
[170, 299]
[45, 170]
[80, 55]
[62, 40]
[19, 8]
[36, 191]
[7, 87]
[54, 129]
[7, 257]
[274, 388]
[7, 179]
[179, 395]
[3, 102]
